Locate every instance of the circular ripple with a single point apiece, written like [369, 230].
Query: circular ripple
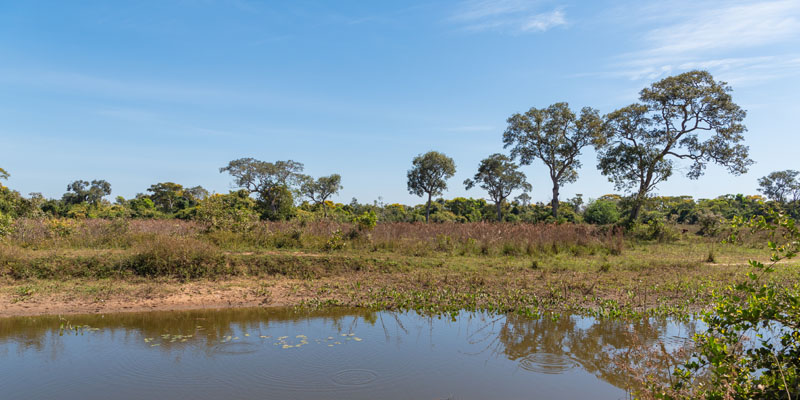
[354, 377]
[546, 363]
[234, 348]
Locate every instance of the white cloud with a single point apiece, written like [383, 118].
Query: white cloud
[738, 39]
[719, 28]
[512, 16]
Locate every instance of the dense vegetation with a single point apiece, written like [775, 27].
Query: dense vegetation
[178, 232]
[688, 117]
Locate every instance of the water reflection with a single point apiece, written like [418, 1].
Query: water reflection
[343, 353]
[555, 345]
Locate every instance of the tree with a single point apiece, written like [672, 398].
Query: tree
[601, 212]
[524, 199]
[171, 197]
[269, 181]
[641, 140]
[429, 175]
[781, 186]
[166, 195]
[321, 189]
[196, 193]
[234, 211]
[556, 136]
[4, 175]
[86, 192]
[499, 176]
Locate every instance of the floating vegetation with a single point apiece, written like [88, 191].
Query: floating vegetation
[284, 342]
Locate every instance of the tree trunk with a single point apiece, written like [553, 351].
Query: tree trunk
[554, 203]
[499, 211]
[428, 209]
[324, 210]
[637, 205]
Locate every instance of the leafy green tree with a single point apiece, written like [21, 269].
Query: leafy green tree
[601, 212]
[781, 186]
[166, 195]
[279, 205]
[321, 189]
[269, 181]
[467, 210]
[142, 207]
[4, 175]
[555, 135]
[499, 176]
[524, 199]
[234, 211]
[688, 117]
[429, 175]
[86, 192]
[195, 193]
[171, 197]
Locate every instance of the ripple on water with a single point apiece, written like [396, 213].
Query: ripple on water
[234, 348]
[546, 363]
[354, 377]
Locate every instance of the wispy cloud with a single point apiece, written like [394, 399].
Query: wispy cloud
[733, 37]
[510, 16]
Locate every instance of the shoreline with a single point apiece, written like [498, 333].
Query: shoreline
[646, 279]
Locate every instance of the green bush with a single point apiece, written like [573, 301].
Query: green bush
[366, 221]
[654, 229]
[751, 348]
[177, 257]
[232, 212]
[601, 212]
[335, 242]
[6, 224]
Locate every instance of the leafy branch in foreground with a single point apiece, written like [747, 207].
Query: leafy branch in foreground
[751, 348]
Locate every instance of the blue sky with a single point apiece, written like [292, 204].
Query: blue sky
[151, 91]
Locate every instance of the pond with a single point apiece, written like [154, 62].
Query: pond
[333, 353]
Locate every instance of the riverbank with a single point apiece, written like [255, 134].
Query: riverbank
[657, 279]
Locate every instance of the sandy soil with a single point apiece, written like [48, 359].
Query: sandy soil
[72, 298]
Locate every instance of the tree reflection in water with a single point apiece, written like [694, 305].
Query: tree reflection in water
[554, 345]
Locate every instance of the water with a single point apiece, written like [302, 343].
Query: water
[329, 354]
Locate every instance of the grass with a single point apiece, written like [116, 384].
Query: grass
[430, 268]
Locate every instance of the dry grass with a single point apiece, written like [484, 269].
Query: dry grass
[430, 267]
[405, 238]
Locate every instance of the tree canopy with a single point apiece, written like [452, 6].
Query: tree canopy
[429, 175]
[781, 186]
[271, 182]
[499, 176]
[86, 192]
[321, 189]
[170, 197]
[686, 117]
[555, 135]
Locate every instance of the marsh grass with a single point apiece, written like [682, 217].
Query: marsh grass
[502, 267]
[484, 239]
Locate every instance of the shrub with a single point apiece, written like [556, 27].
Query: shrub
[176, 257]
[728, 365]
[654, 229]
[232, 212]
[366, 221]
[6, 224]
[601, 212]
[710, 222]
[335, 242]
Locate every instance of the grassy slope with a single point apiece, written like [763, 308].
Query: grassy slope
[441, 268]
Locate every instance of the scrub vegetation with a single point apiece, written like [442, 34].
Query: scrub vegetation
[279, 239]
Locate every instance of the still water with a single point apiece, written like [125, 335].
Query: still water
[329, 354]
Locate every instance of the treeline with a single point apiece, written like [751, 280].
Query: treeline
[689, 117]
